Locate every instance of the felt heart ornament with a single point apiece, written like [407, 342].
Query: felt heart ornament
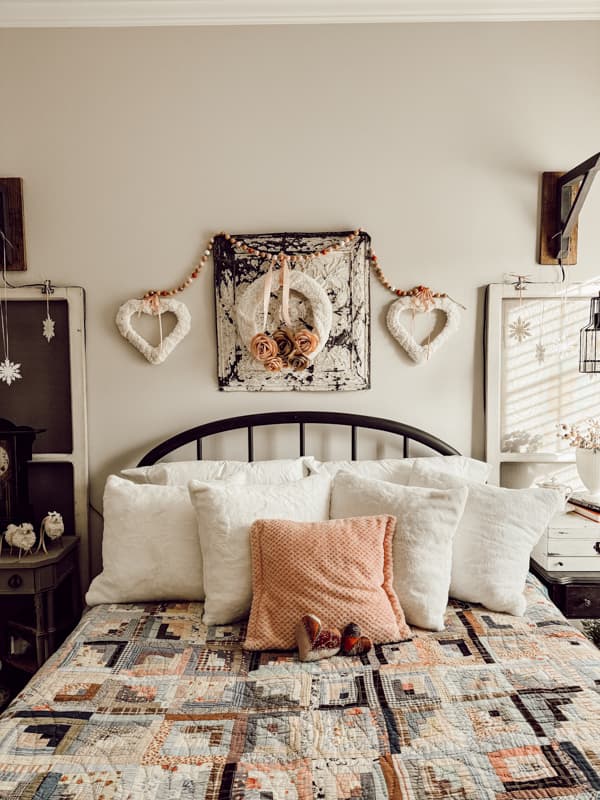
[155, 355]
[353, 642]
[315, 643]
[421, 352]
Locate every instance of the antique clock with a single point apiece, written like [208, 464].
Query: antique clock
[16, 443]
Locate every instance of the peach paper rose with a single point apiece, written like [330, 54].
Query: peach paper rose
[274, 364]
[263, 347]
[306, 342]
[285, 342]
[298, 361]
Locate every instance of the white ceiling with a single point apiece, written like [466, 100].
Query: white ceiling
[90, 13]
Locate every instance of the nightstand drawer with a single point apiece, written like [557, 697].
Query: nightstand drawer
[17, 581]
[582, 601]
[587, 548]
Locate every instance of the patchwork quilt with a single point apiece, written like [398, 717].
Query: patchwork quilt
[143, 701]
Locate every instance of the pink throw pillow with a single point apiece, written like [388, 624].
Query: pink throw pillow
[340, 570]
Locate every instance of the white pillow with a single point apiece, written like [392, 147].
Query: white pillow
[397, 470]
[178, 473]
[422, 546]
[225, 514]
[494, 539]
[150, 548]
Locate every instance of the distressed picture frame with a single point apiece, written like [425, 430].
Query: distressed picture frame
[344, 364]
[11, 223]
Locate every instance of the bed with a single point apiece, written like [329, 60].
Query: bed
[145, 701]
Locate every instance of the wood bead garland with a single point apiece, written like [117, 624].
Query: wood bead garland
[293, 258]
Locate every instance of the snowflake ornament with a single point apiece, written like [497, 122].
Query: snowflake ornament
[520, 329]
[540, 353]
[48, 329]
[564, 347]
[9, 371]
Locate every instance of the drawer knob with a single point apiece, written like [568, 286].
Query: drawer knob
[587, 602]
[597, 547]
[15, 581]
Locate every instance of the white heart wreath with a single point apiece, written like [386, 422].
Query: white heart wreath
[251, 299]
[155, 355]
[421, 352]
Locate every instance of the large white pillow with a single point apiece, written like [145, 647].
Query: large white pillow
[397, 470]
[494, 540]
[179, 473]
[225, 515]
[150, 548]
[426, 521]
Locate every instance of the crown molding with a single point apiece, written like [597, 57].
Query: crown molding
[124, 13]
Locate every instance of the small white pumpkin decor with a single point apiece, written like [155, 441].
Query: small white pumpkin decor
[155, 306]
[52, 528]
[422, 352]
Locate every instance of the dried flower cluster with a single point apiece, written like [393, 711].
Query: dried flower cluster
[586, 435]
[284, 349]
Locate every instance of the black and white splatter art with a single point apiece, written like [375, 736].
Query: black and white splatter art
[344, 363]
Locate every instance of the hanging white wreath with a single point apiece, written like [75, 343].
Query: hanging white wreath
[421, 352]
[155, 307]
[251, 302]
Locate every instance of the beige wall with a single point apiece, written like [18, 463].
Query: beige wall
[135, 145]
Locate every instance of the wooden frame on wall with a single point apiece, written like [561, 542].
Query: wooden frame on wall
[11, 223]
[530, 392]
[52, 459]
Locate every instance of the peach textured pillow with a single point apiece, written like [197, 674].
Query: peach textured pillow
[340, 570]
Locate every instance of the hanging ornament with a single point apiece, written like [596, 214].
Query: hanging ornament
[520, 329]
[156, 306]
[540, 348]
[418, 300]
[540, 353]
[9, 370]
[48, 323]
[422, 352]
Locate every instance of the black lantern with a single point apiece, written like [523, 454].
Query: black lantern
[16, 443]
[589, 340]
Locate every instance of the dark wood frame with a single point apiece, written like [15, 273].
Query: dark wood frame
[301, 418]
[11, 223]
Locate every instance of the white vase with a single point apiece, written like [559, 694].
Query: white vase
[588, 468]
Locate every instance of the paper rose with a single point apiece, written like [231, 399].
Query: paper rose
[306, 342]
[263, 347]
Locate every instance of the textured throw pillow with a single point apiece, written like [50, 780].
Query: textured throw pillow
[340, 570]
[494, 540]
[397, 470]
[179, 473]
[150, 548]
[225, 514]
[426, 523]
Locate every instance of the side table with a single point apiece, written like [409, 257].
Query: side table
[39, 601]
[577, 594]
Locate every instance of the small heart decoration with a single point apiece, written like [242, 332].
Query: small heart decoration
[353, 642]
[314, 642]
[155, 355]
[421, 352]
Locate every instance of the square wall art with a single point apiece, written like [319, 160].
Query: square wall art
[316, 302]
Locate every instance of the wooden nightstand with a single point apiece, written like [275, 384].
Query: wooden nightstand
[39, 602]
[567, 561]
[577, 594]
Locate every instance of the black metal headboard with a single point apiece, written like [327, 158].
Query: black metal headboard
[300, 418]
